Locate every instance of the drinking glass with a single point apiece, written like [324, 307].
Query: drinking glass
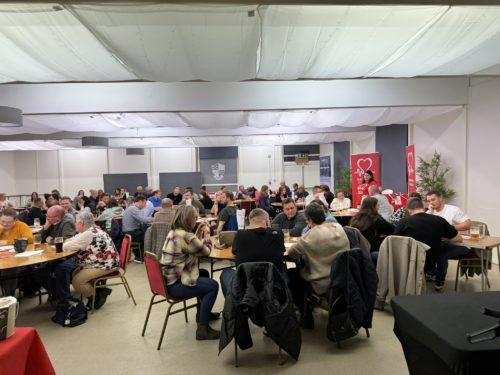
[474, 233]
[58, 241]
[37, 240]
[36, 222]
[286, 234]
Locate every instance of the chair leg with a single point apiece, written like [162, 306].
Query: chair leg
[147, 315]
[164, 325]
[456, 277]
[93, 297]
[281, 358]
[367, 332]
[236, 363]
[498, 258]
[185, 311]
[127, 287]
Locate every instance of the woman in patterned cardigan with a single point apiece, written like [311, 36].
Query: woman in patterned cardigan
[96, 257]
[180, 267]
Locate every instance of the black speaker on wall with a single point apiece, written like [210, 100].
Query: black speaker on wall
[94, 142]
[135, 151]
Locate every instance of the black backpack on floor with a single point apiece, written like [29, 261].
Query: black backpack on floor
[70, 314]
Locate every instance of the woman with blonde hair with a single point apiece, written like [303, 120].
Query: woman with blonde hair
[180, 267]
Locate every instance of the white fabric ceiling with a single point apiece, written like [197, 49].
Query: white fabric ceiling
[169, 42]
[66, 42]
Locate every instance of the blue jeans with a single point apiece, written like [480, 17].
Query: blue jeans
[226, 279]
[205, 289]
[63, 272]
[448, 251]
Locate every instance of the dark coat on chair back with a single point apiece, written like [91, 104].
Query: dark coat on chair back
[363, 282]
[259, 292]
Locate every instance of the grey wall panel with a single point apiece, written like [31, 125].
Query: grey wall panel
[390, 142]
[168, 181]
[218, 152]
[128, 181]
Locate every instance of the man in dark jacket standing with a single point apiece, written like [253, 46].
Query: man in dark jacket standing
[290, 219]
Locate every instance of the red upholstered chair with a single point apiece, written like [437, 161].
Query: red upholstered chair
[120, 274]
[159, 288]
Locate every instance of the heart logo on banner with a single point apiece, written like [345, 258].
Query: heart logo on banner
[364, 165]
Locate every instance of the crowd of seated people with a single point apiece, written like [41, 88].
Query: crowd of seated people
[318, 236]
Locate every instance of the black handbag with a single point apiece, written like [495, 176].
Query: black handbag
[341, 326]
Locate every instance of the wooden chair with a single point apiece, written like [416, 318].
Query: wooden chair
[119, 274]
[159, 288]
[472, 261]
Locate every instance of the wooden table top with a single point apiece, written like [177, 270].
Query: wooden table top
[49, 254]
[345, 213]
[487, 242]
[280, 204]
[227, 253]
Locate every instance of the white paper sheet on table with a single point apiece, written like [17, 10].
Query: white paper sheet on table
[7, 248]
[29, 253]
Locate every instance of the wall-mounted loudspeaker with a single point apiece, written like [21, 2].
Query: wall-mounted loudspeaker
[135, 151]
[94, 142]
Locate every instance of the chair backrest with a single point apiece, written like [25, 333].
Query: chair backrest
[227, 237]
[125, 251]
[155, 276]
[486, 230]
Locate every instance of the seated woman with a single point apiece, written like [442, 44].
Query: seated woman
[318, 248]
[301, 194]
[403, 212]
[180, 267]
[280, 195]
[96, 257]
[112, 210]
[10, 229]
[340, 202]
[264, 201]
[371, 225]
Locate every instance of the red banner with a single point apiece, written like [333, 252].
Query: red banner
[410, 169]
[359, 164]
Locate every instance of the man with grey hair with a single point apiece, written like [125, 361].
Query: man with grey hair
[385, 210]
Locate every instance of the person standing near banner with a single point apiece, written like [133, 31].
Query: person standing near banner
[368, 181]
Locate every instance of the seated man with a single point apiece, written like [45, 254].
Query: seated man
[96, 257]
[66, 204]
[454, 216]
[135, 223]
[189, 200]
[429, 229]
[227, 216]
[290, 219]
[218, 205]
[57, 225]
[385, 210]
[317, 194]
[10, 229]
[175, 196]
[149, 210]
[166, 212]
[156, 199]
[138, 190]
[259, 243]
[318, 248]
[103, 203]
[242, 193]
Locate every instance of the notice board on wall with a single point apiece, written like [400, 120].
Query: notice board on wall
[129, 181]
[168, 181]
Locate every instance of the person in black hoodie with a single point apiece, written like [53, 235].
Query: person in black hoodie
[260, 243]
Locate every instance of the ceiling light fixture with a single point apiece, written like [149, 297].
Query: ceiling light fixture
[10, 117]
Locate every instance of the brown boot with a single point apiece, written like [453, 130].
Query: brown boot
[205, 332]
